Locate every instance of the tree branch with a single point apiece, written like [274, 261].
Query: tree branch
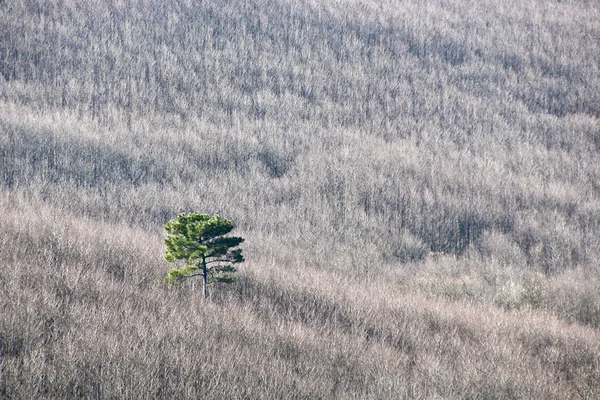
[220, 260]
[189, 276]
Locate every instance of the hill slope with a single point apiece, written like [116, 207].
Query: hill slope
[418, 185]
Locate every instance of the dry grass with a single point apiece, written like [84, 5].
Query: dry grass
[417, 184]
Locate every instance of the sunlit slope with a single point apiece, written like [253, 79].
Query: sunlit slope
[86, 316]
[418, 184]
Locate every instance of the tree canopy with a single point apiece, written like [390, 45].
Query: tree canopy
[199, 240]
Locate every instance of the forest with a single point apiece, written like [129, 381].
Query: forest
[417, 184]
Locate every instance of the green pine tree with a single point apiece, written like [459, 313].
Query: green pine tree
[200, 240]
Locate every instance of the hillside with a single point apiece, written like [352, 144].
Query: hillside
[418, 184]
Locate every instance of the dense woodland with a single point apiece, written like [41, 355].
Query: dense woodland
[417, 183]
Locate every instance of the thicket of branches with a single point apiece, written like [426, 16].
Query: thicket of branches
[447, 150]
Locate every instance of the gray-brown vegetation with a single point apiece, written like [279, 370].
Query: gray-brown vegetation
[418, 183]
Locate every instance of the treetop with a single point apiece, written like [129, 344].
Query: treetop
[199, 227]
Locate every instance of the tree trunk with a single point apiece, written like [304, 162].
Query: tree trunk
[204, 278]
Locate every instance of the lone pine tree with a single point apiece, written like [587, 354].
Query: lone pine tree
[200, 240]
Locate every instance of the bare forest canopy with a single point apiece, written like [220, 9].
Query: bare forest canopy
[425, 123]
[447, 149]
